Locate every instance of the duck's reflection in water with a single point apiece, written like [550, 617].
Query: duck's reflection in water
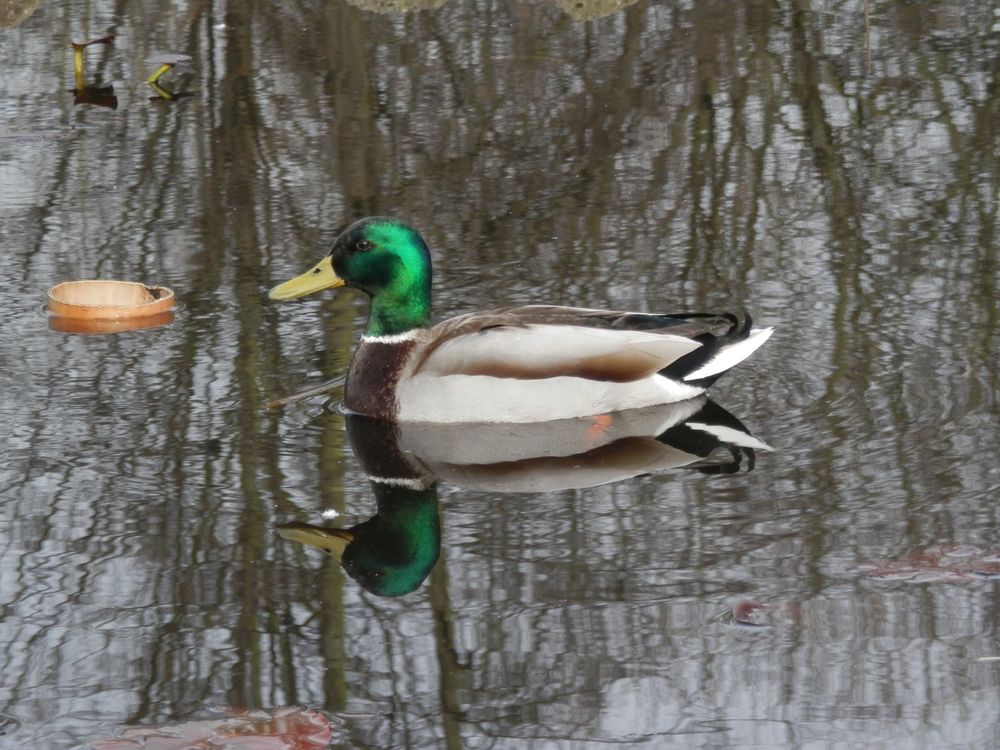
[391, 553]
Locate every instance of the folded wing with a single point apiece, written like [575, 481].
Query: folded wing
[535, 351]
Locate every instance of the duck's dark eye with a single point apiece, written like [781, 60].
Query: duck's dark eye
[364, 245]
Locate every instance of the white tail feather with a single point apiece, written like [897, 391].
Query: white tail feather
[731, 355]
[731, 435]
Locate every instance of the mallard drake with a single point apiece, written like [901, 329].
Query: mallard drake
[516, 364]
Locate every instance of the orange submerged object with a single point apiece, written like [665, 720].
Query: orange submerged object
[105, 306]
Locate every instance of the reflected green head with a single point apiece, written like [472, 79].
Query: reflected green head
[394, 551]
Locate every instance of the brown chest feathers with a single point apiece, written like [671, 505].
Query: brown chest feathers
[371, 380]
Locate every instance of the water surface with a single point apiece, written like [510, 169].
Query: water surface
[831, 167]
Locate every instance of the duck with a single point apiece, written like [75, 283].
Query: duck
[391, 553]
[526, 364]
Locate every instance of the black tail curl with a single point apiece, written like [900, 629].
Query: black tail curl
[740, 325]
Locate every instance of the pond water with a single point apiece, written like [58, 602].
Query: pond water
[831, 167]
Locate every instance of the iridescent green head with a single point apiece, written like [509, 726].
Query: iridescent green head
[384, 258]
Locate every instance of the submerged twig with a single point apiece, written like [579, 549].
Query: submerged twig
[316, 390]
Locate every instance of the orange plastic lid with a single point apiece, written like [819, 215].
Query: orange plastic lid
[105, 306]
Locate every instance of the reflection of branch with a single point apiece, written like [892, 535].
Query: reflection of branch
[848, 256]
[868, 42]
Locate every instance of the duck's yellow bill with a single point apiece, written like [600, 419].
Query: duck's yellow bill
[321, 276]
[331, 541]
